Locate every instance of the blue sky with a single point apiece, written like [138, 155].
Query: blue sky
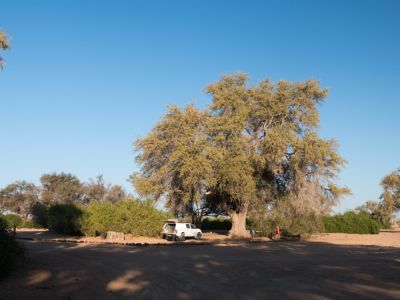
[85, 78]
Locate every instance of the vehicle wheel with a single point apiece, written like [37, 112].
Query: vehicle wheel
[198, 236]
[164, 236]
[182, 236]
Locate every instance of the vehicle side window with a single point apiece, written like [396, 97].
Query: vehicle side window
[192, 226]
[187, 226]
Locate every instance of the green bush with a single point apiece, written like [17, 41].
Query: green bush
[64, 218]
[351, 222]
[39, 212]
[29, 224]
[10, 251]
[138, 218]
[13, 221]
[3, 223]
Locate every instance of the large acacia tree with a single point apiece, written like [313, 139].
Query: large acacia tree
[252, 144]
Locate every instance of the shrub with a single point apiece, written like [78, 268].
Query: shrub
[351, 222]
[29, 224]
[289, 222]
[39, 212]
[64, 218]
[99, 217]
[138, 218]
[10, 250]
[3, 223]
[13, 221]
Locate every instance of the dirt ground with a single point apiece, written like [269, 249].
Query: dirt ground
[332, 266]
[45, 235]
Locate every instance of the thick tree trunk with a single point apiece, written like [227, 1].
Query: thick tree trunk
[238, 218]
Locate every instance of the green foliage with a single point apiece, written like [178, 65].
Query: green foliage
[99, 217]
[29, 224]
[351, 222]
[13, 221]
[64, 218]
[39, 212]
[18, 197]
[61, 188]
[253, 143]
[10, 250]
[3, 223]
[378, 211]
[138, 218]
[291, 217]
[97, 190]
[391, 191]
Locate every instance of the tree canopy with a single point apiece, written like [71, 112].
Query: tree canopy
[391, 190]
[18, 197]
[61, 188]
[253, 144]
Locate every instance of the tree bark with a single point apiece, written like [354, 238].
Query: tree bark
[238, 218]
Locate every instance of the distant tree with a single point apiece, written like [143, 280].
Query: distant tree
[61, 188]
[115, 193]
[96, 189]
[391, 190]
[253, 144]
[18, 197]
[378, 211]
[4, 45]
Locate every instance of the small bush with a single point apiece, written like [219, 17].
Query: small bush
[39, 212]
[138, 218]
[64, 218]
[10, 251]
[13, 221]
[3, 223]
[351, 222]
[29, 224]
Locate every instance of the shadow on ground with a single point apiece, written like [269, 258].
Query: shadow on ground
[275, 270]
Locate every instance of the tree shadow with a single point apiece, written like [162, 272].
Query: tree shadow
[288, 270]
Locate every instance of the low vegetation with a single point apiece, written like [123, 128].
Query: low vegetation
[351, 222]
[10, 250]
[64, 218]
[139, 218]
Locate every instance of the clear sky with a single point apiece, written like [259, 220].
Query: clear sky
[85, 78]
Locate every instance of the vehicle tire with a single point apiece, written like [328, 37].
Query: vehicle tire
[182, 236]
[198, 236]
[164, 236]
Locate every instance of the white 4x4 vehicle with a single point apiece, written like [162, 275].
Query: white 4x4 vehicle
[176, 230]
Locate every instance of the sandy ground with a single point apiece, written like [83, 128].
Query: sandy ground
[328, 267]
[45, 235]
[387, 238]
